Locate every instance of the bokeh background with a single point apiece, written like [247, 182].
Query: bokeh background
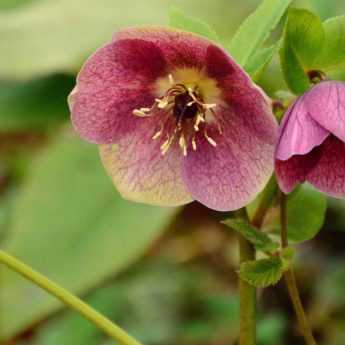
[165, 275]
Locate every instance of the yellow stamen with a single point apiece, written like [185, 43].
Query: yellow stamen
[162, 103]
[198, 120]
[142, 112]
[171, 79]
[210, 140]
[194, 144]
[182, 143]
[157, 135]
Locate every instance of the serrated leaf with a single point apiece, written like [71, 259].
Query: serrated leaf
[69, 223]
[332, 56]
[256, 28]
[303, 40]
[262, 273]
[259, 61]
[259, 239]
[179, 20]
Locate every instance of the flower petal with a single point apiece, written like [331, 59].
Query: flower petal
[114, 81]
[295, 170]
[230, 175]
[326, 104]
[181, 49]
[141, 173]
[299, 133]
[328, 175]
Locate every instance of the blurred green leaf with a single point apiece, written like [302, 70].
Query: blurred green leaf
[271, 329]
[303, 40]
[306, 210]
[256, 28]
[263, 272]
[135, 301]
[72, 329]
[181, 21]
[56, 36]
[332, 56]
[259, 239]
[259, 60]
[70, 224]
[34, 104]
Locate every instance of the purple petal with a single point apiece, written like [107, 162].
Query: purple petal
[326, 104]
[230, 175]
[181, 49]
[328, 175]
[113, 82]
[299, 133]
[295, 170]
[141, 173]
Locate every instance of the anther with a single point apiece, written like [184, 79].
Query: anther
[182, 143]
[210, 140]
[161, 103]
[142, 112]
[171, 79]
[157, 135]
[194, 144]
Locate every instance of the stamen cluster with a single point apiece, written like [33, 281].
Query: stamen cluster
[185, 103]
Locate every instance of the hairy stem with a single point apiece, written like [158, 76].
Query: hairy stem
[290, 280]
[67, 298]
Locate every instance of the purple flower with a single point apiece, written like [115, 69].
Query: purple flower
[311, 143]
[176, 120]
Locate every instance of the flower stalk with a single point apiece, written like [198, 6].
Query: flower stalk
[247, 292]
[68, 299]
[290, 280]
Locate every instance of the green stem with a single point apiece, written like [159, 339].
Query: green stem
[70, 300]
[247, 292]
[290, 280]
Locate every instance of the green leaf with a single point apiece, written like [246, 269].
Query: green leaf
[34, 104]
[258, 62]
[40, 39]
[303, 40]
[69, 223]
[262, 273]
[256, 28]
[332, 56]
[259, 239]
[181, 21]
[306, 211]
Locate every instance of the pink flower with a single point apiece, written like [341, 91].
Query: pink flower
[176, 120]
[311, 144]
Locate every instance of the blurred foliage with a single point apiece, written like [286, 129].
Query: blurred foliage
[60, 213]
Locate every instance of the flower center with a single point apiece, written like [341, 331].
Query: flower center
[185, 104]
[184, 107]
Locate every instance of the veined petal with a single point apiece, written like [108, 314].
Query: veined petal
[295, 170]
[299, 133]
[326, 105]
[141, 173]
[328, 175]
[114, 81]
[230, 175]
[181, 49]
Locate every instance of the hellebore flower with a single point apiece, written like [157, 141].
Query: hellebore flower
[311, 143]
[176, 119]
